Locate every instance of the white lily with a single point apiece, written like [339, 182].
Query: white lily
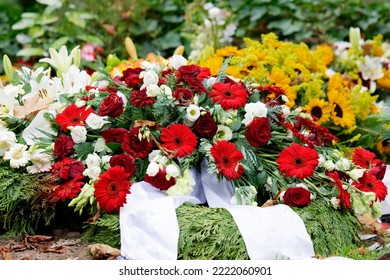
[61, 60]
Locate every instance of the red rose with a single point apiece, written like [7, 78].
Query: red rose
[159, 180]
[111, 106]
[297, 197]
[131, 77]
[116, 135]
[63, 146]
[205, 126]
[183, 95]
[135, 147]
[258, 132]
[126, 161]
[193, 75]
[67, 168]
[138, 98]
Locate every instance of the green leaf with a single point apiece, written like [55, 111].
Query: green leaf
[29, 52]
[258, 12]
[59, 42]
[83, 149]
[23, 24]
[36, 32]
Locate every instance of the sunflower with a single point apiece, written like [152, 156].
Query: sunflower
[297, 161]
[112, 187]
[369, 183]
[342, 111]
[319, 109]
[227, 157]
[383, 146]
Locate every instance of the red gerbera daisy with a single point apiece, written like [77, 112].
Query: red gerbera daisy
[227, 157]
[229, 95]
[69, 190]
[73, 116]
[368, 183]
[344, 196]
[112, 187]
[297, 161]
[363, 158]
[178, 137]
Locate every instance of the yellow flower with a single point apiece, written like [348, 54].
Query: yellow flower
[361, 101]
[319, 109]
[385, 80]
[383, 146]
[325, 52]
[229, 51]
[214, 63]
[341, 110]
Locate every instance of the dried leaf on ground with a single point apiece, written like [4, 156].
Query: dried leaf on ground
[103, 251]
[6, 255]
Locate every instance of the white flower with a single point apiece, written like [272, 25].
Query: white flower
[73, 81]
[329, 165]
[153, 90]
[211, 81]
[321, 160]
[96, 122]
[343, 164]
[371, 68]
[17, 155]
[35, 128]
[177, 61]
[79, 134]
[41, 160]
[223, 133]
[193, 113]
[150, 77]
[172, 170]
[106, 159]
[253, 110]
[121, 95]
[61, 60]
[156, 156]
[93, 160]
[166, 90]
[80, 103]
[302, 185]
[335, 202]
[184, 185]
[355, 174]
[329, 72]
[7, 102]
[152, 169]
[7, 139]
[92, 172]
[101, 146]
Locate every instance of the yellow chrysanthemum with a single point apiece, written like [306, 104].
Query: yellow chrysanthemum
[385, 80]
[383, 146]
[319, 109]
[341, 110]
[229, 51]
[325, 52]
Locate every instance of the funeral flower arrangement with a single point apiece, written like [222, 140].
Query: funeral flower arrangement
[330, 82]
[96, 135]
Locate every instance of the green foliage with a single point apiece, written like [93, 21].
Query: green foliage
[208, 233]
[331, 230]
[105, 230]
[23, 207]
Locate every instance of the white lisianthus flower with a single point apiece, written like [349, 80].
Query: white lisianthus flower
[96, 122]
[184, 185]
[321, 160]
[17, 155]
[177, 61]
[286, 111]
[93, 160]
[7, 139]
[253, 110]
[343, 164]
[193, 113]
[355, 174]
[41, 160]
[79, 134]
[153, 169]
[156, 156]
[371, 68]
[211, 81]
[92, 172]
[150, 77]
[106, 159]
[164, 89]
[223, 133]
[100, 146]
[61, 60]
[329, 165]
[335, 202]
[302, 185]
[172, 170]
[150, 66]
[80, 103]
[153, 90]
